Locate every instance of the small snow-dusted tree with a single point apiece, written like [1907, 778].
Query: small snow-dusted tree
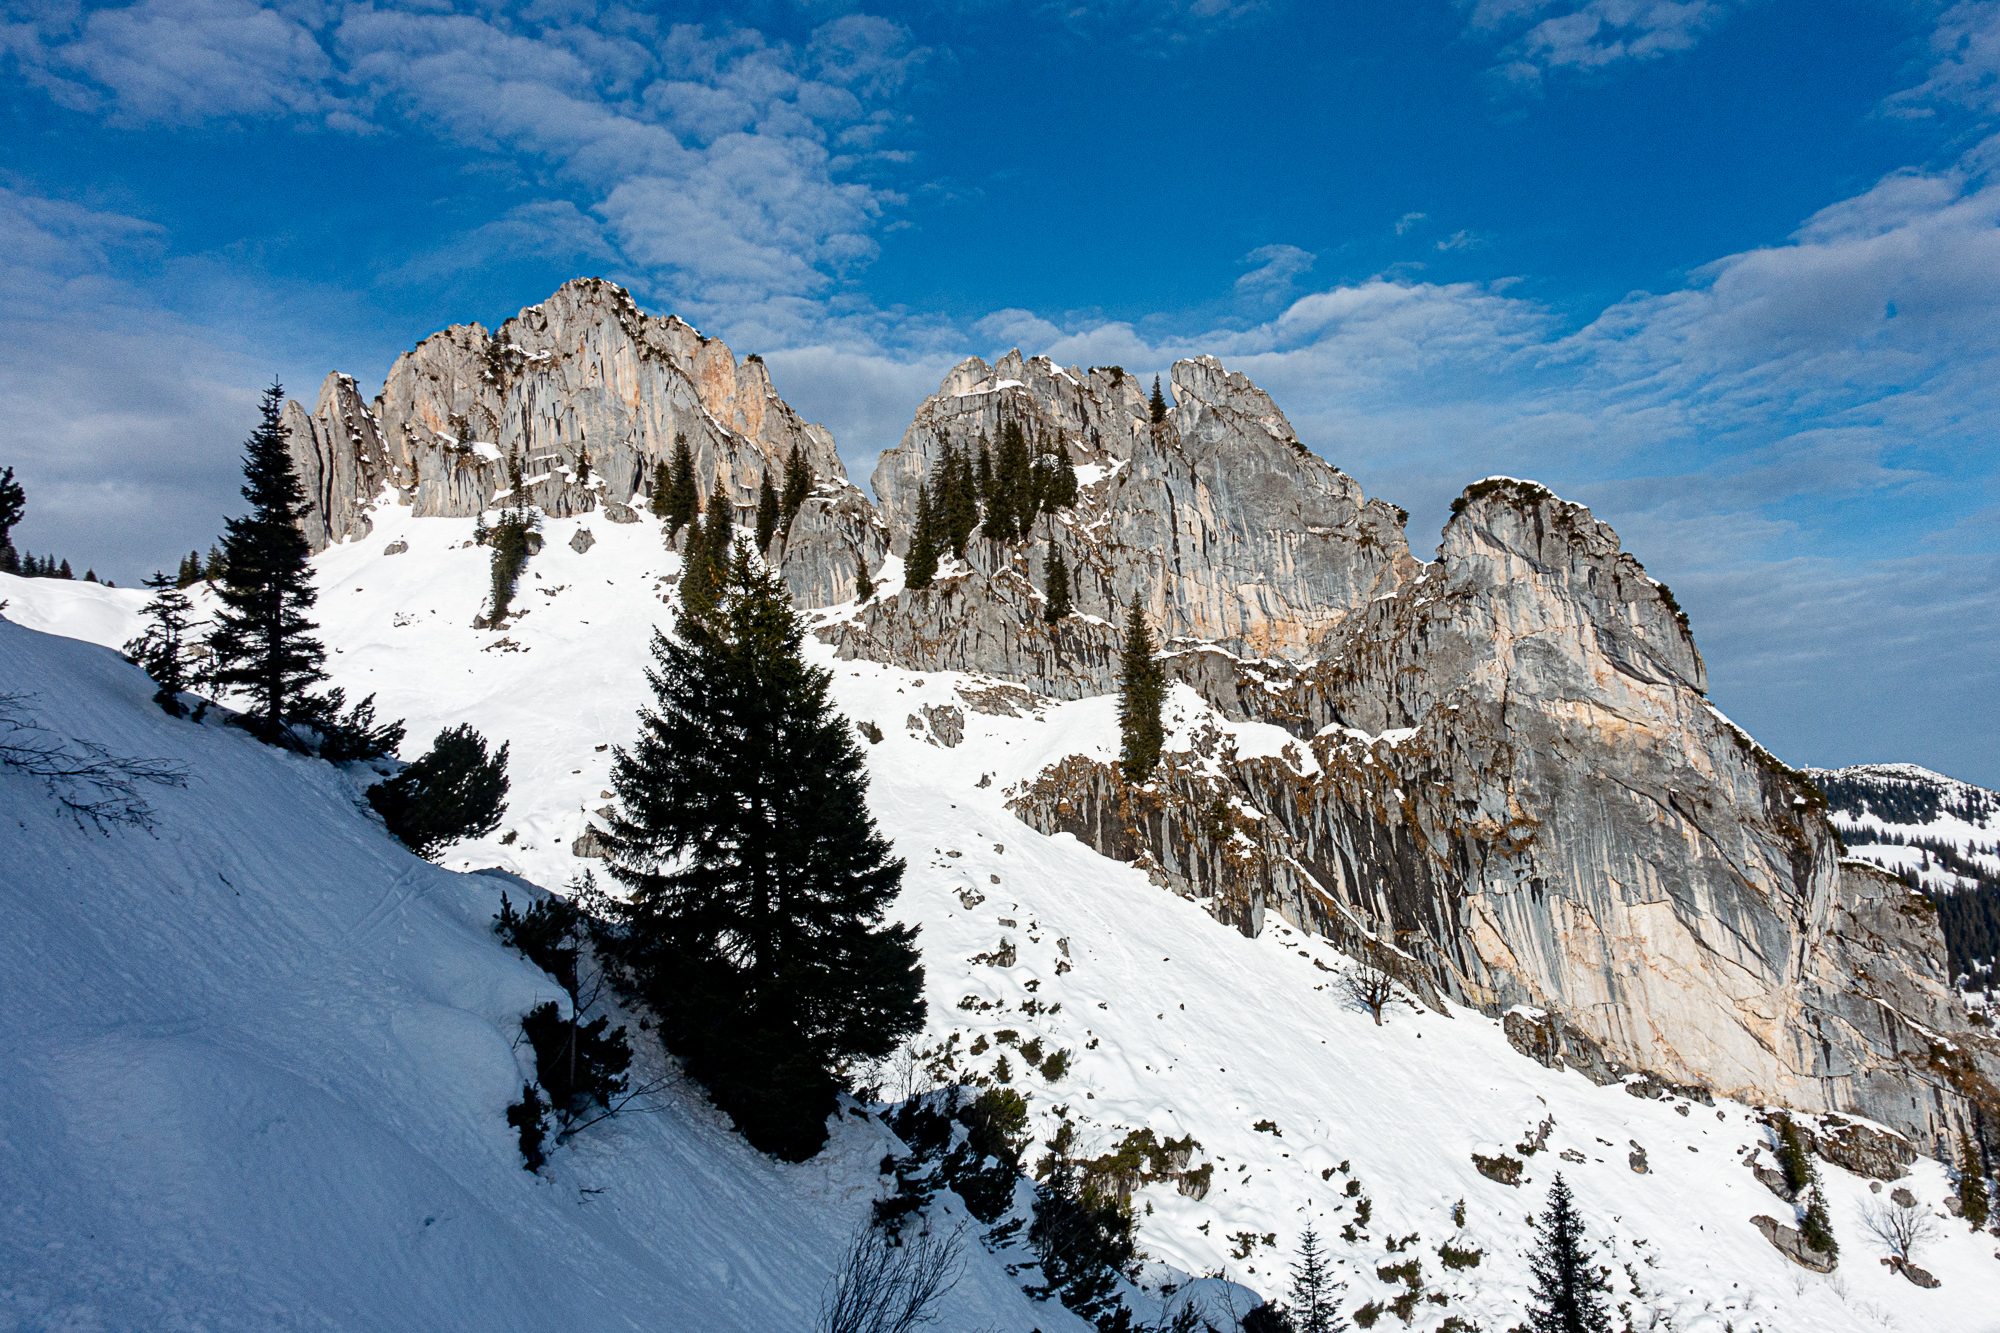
[886, 1284]
[798, 484]
[864, 587]
[162, 651]
[1369, 987]
[1570, 1291]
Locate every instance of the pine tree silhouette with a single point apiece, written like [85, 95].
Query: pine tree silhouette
[1058, 586]
[767, 513]
[263, 642]
[798, 484]
[13, 504]
[161, 651]
[864, 587]
[1142, 692]
[757, 879]
[1569, 1294]
[1158, 405]
[683, 501]
[920, 567]
[1313, 1308]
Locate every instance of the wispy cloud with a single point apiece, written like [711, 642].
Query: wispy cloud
[1546, 35]
[1408, 223]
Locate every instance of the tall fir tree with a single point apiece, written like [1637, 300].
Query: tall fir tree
[767, 513]
[1142, 685]
[705, 561]
[63, 571]
[190, 571]
[983, 478]
[864, 587]
[508, 540]
[215, 566]
[162, 651]
[961, 498]
[1313, 1308]
[1058, 586]
[920, 567]
[1569, 1292]
[262, 641]
[660, 481]
[757, 881]
[1062, 491]
[1973, 1204]
[1157, 406]
[13, 504]
[1010, 485]
[798, 484]
[683, 503]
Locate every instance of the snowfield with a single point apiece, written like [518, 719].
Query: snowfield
[239, 1106]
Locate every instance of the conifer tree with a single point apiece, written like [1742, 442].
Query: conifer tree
[455, 790]
[13, 504]
[798, 483]
[161, 651]
[984, 479]
[215, 566]
[1142, 693]
[961, 499]
[1313, 1308]
[1058, 586]
[767, 513]
[63, 573]
[1817, 1224]
[1158, 405]
[1972, 1201]
[683, 504]
[921, 565]
[1082, 1237]
[706, 560]
[757, 880]
[509, 542]
[263, 642]
[1062, 488]
[661, 482]
[1569, 1294]
[190, 571]
[864, 587]
[1005, 502]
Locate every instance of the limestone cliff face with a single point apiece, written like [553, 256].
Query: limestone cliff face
[588, 393]
[1522, 788]
[1227, 529]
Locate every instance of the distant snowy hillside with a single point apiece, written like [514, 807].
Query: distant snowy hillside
[256, 1065]
[1305, 1110]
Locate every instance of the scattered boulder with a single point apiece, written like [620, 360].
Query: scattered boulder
[1505, 1169]
[1003, 956]
[1774, 1180]
[969, 897]
[1791, 1242]
[1921, 1277]
[617, 513]
[1902, 1198]
[1636, 1159]
[397, 547]
[582, 542]
[591, 844]
[947, 723]
[1865, 1150]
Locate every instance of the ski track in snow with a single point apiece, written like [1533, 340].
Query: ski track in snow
[1176, 1022]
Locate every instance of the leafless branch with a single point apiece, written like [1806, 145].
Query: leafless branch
[1903, 1230]
[83, 777]
[888, 1287]
[1369, 987]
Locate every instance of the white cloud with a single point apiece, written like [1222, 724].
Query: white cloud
[1276, 274]
[1966, 44]
[1544, 35]
[1408, 223]
[1461, 240]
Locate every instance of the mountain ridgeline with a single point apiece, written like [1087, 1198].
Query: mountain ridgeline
[1504, 781]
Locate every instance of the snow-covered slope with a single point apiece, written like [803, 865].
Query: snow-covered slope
[1177, 1024]
[1902, 815]
[255, 1068]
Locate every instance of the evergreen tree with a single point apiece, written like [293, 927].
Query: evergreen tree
[1005, 503]
[1062, 491]
[1158, 406]
[262, 641]
[64, 573]
[1058, 586]
[757, 879]
[662, 487]
[798, 483]
[190, 571]
[1569, 1295]
[1972, 1200]
[921, 566]
[1142, 693]
[767, 514]
[1817, 1224]
[1313, 1307]
[984, 480]
[706, 560]
[456, 790]
[215, 566]
[162, 650]
[864, 587]
[13, 504]
[509, 541]
[1083, 1238]
[683, 502]
[961, 498]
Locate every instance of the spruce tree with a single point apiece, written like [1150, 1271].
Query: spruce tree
[1062, 491]
[661, 481]
[1004, 505]
[215, 566]
[961, 498]
[864, 587]
[63, 573]
[162, 651]
[1569, 1294]
[1142, 692]
[509, 543]
[1158, 405]
[706, 559]
[1972, 1200]
[263, 642]
[1313, 1308]
[767, 513]
[984, 480]
[190, 571]
[798, 483]
[757, 881]
[1058, 586]
[921, 565]
[13, 504]
[683, 503]
[455, 790]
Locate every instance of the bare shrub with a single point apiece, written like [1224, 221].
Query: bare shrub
[84, 778]
[1903, 1230]
[884, 1286]
[1369, 987]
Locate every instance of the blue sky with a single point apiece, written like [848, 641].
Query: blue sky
[1726, 270]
